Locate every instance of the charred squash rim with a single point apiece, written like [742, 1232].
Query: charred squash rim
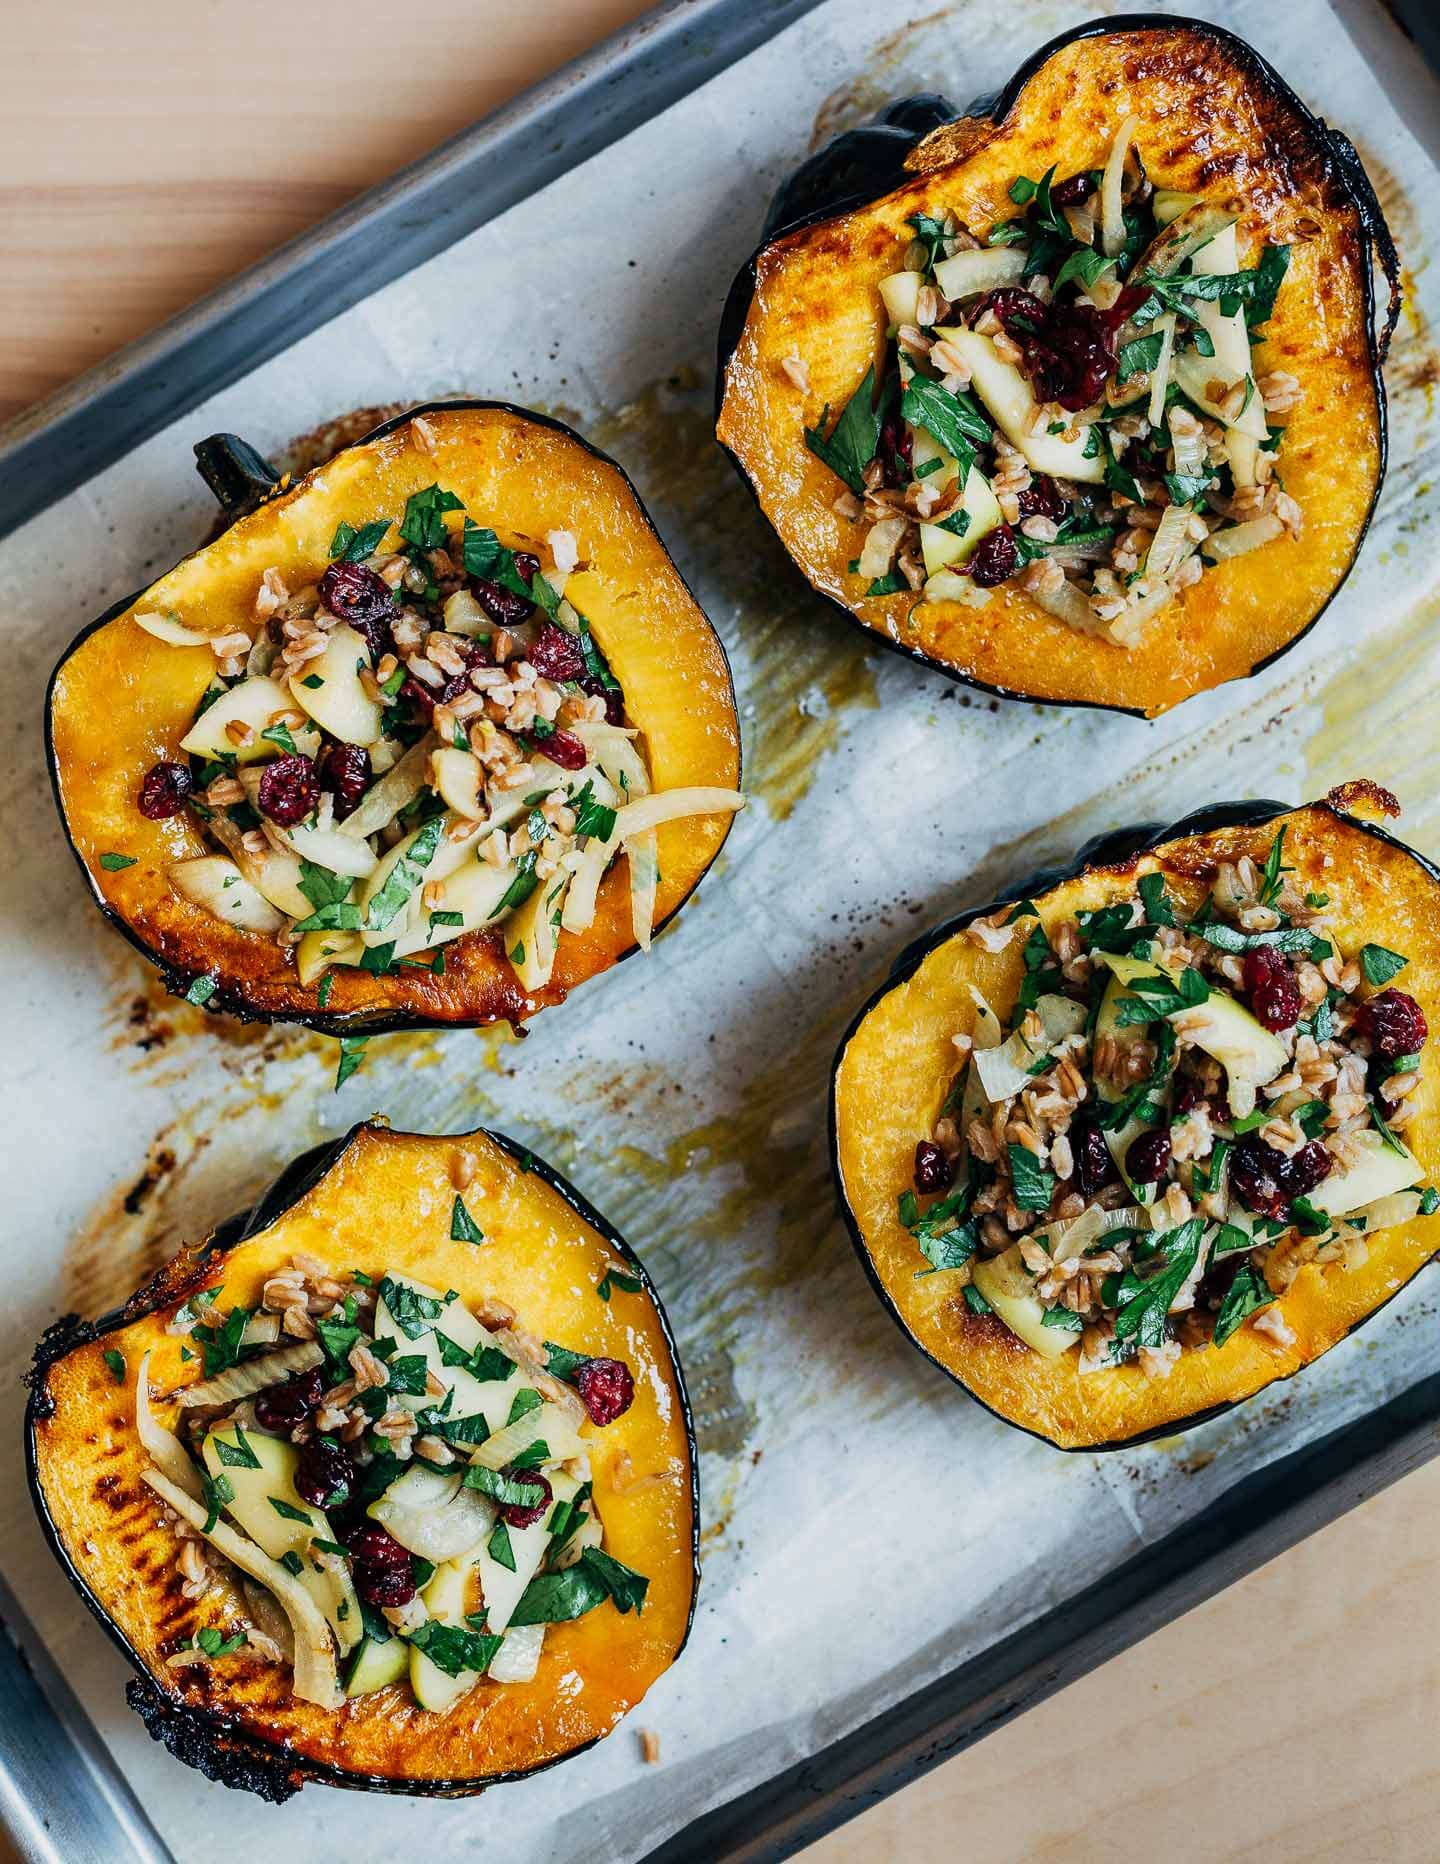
[239, 479]
[217, 1744]
[858, 167]
[1114, 852]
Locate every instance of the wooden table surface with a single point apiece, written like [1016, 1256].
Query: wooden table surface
[149, 151]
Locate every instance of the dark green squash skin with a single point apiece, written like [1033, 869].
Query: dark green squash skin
[859, 166]
[240, 480]
[1111, 849]
[207, 1739]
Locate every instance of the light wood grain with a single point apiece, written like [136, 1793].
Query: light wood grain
[147, 152]
[152, 149]
[1292, 1719]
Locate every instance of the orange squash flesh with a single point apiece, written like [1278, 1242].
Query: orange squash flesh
[1213, 121]
[897, 1066]
[385, 1204]
[121, 700]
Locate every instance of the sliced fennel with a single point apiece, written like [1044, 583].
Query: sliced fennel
[1005, 1070]
[431, 1513]
[518, 1658]
[1112, 219]
[399, 786]
[162, 1446]
[315, 1678]
[215, 882]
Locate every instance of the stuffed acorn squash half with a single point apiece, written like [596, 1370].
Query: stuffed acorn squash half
[390, 1484]
[372, 758]
[1158, 1130]
[1076, 398]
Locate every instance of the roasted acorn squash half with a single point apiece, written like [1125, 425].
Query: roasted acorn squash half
[1242, 1306]
[184, 868]
[1227, 145]
[516, 1234]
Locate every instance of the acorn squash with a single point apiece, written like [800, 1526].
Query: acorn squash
[386, 1202]
[215, 794]
[818, 322]
[1270, 1251]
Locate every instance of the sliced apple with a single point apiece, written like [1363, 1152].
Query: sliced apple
[329, 689]
[1010, 1289]
[252, 703]
[474, 891]
[942, 548]
[900, 294]
[446, 1598]
[1012, 405]
[1376, 1171]
[980, 268]
[260, 1472]
[1229, 335]
[460, 780]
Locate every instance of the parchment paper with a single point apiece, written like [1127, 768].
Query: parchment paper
[686, 1094]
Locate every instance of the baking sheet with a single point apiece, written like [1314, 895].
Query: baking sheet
[686, 1094]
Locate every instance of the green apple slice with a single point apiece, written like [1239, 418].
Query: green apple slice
[1011, 402]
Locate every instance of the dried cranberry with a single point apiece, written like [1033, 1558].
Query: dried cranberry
[517, 1514]
[1094, 1167]
[1255, 1178]
[164, 789]
[1147, 1158]
[1270, 984]
[324, 1474]
[932, 1168]
[505, 607]
[526, 565]
[896, 451]
[1042, 499]
[344, 770]
[1073, 189]
[422, 697]
[385, 1585]
[607, 1389]
[1072, 357]
[1187, 1096]
[996, 558]
[1012, 306]
[612, 695]
[1303, 1170]
[1130, 299]
[565, 749]
[289, 790]
[555, 653]
[365, 600]
[372, 1545]
[1393, 1024]
[357, 594]
[282, 1407]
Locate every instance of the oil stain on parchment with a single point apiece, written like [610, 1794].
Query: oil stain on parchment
[797, 669]
[1377, 718]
